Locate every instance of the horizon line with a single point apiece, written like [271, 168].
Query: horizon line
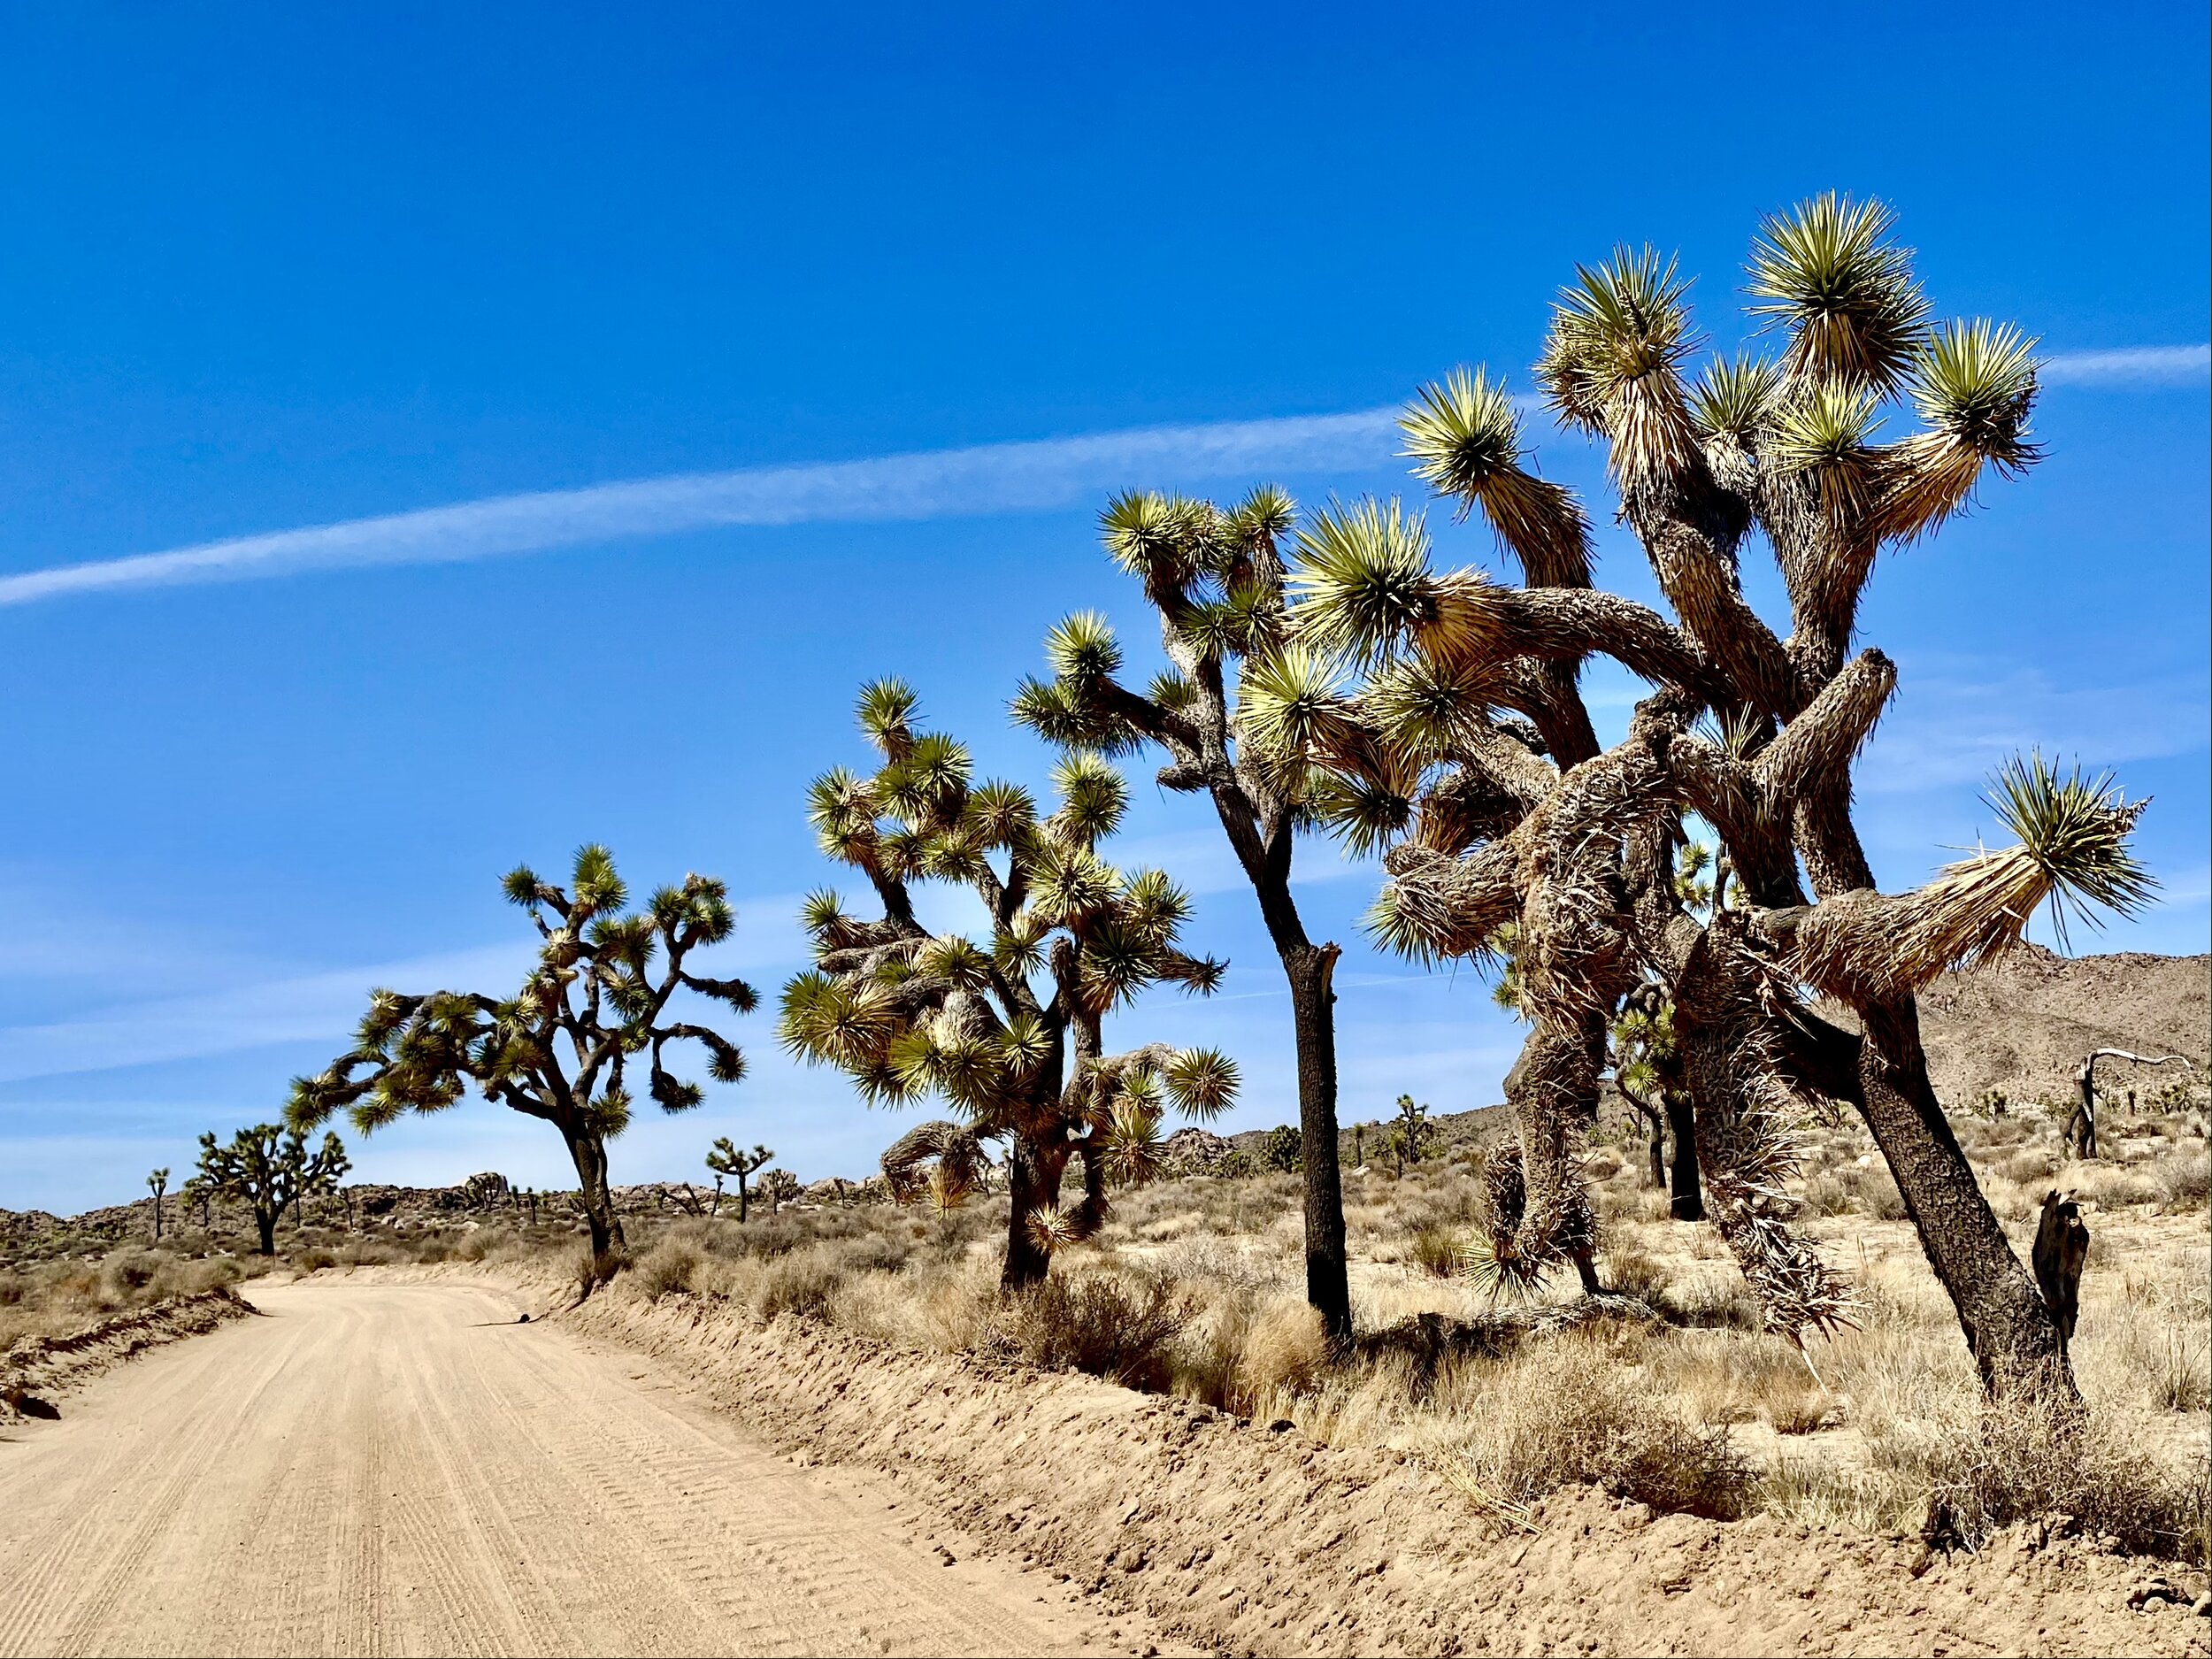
[971, 481]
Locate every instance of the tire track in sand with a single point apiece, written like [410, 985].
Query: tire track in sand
[388, 1469]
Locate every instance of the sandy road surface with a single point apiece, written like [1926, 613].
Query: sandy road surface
[401, 1468]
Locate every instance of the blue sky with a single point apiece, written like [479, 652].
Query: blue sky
[273, 269]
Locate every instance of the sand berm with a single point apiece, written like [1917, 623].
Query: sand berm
[1245, 1540]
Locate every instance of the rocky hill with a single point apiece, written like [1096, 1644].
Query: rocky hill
[2023, 1025]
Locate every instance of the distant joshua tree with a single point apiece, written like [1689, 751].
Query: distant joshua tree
[198, 1192]
[1009, 1029]
[562, 1047]
[727, 1162]
[1435, 717]
[1215, 579]
[778, 1187]
[266, 1167]
[1410, 1133]
[157, 1184]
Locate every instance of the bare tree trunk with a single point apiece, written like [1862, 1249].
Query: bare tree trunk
[265, 1222]
[1687, 1201]
[591, 1157]
[1311, 969]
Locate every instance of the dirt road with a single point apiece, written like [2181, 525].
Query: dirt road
[404, 1469]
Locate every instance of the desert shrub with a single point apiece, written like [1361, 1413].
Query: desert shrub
[1101, 1322]
[1566, 1412]
[2185, 1181]
[874, 1253]
[668, 1266]
[2018, 1464]
[802, 1283]
[130, 1271]
[2030, 1165]
[1284, 1149]
[1627, 1270]
[2166, 1365]
[312, 1261]
[1285, 1347]
[1713, 1301]
[1216, 1263]
[1436, 1249]
[1826, 1196]
[1876, 1193]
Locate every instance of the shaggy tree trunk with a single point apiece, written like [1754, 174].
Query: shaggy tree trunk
[265, 1222]
[1686, 1201]
[1311, 970]
[1032, 1183]
[589, 1155]
[2012, 1331]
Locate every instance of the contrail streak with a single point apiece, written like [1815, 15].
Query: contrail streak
[1038, 476]
[2135, 366]
[937, 484]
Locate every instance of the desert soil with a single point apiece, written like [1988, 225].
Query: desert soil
[403, 1469]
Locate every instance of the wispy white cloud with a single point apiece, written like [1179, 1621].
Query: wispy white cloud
[309, 1008]
[2135, 366]
[977, 481]
[938, 484]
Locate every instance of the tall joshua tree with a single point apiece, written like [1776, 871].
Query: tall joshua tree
[1009, 1029]
[728, 1162]
[265, 1168]
[1441, 711]
[562, 1048]
[1216, 579]
[157, 1184]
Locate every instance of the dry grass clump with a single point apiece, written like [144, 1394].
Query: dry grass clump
[1115, 1325]
[1959, 1478]
[1571, 1409]
[1243, 1350]
[1565, 1413]
[57, 1297]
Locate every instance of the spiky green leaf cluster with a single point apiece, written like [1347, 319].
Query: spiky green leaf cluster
[2076, 829]
[1827, 274]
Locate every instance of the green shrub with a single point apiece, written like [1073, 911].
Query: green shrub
[1285, 1148]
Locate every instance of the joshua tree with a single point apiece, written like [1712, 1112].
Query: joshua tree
[1410, 1133]
[726, 1162]
[560, 1049]
[1465, 749]
[197, 1191]
[2081, 1128]
[778, 1187]
[1647, 1069]
[266, 1167]
[907, 1012]
[1216, 579]
[157, 1183]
